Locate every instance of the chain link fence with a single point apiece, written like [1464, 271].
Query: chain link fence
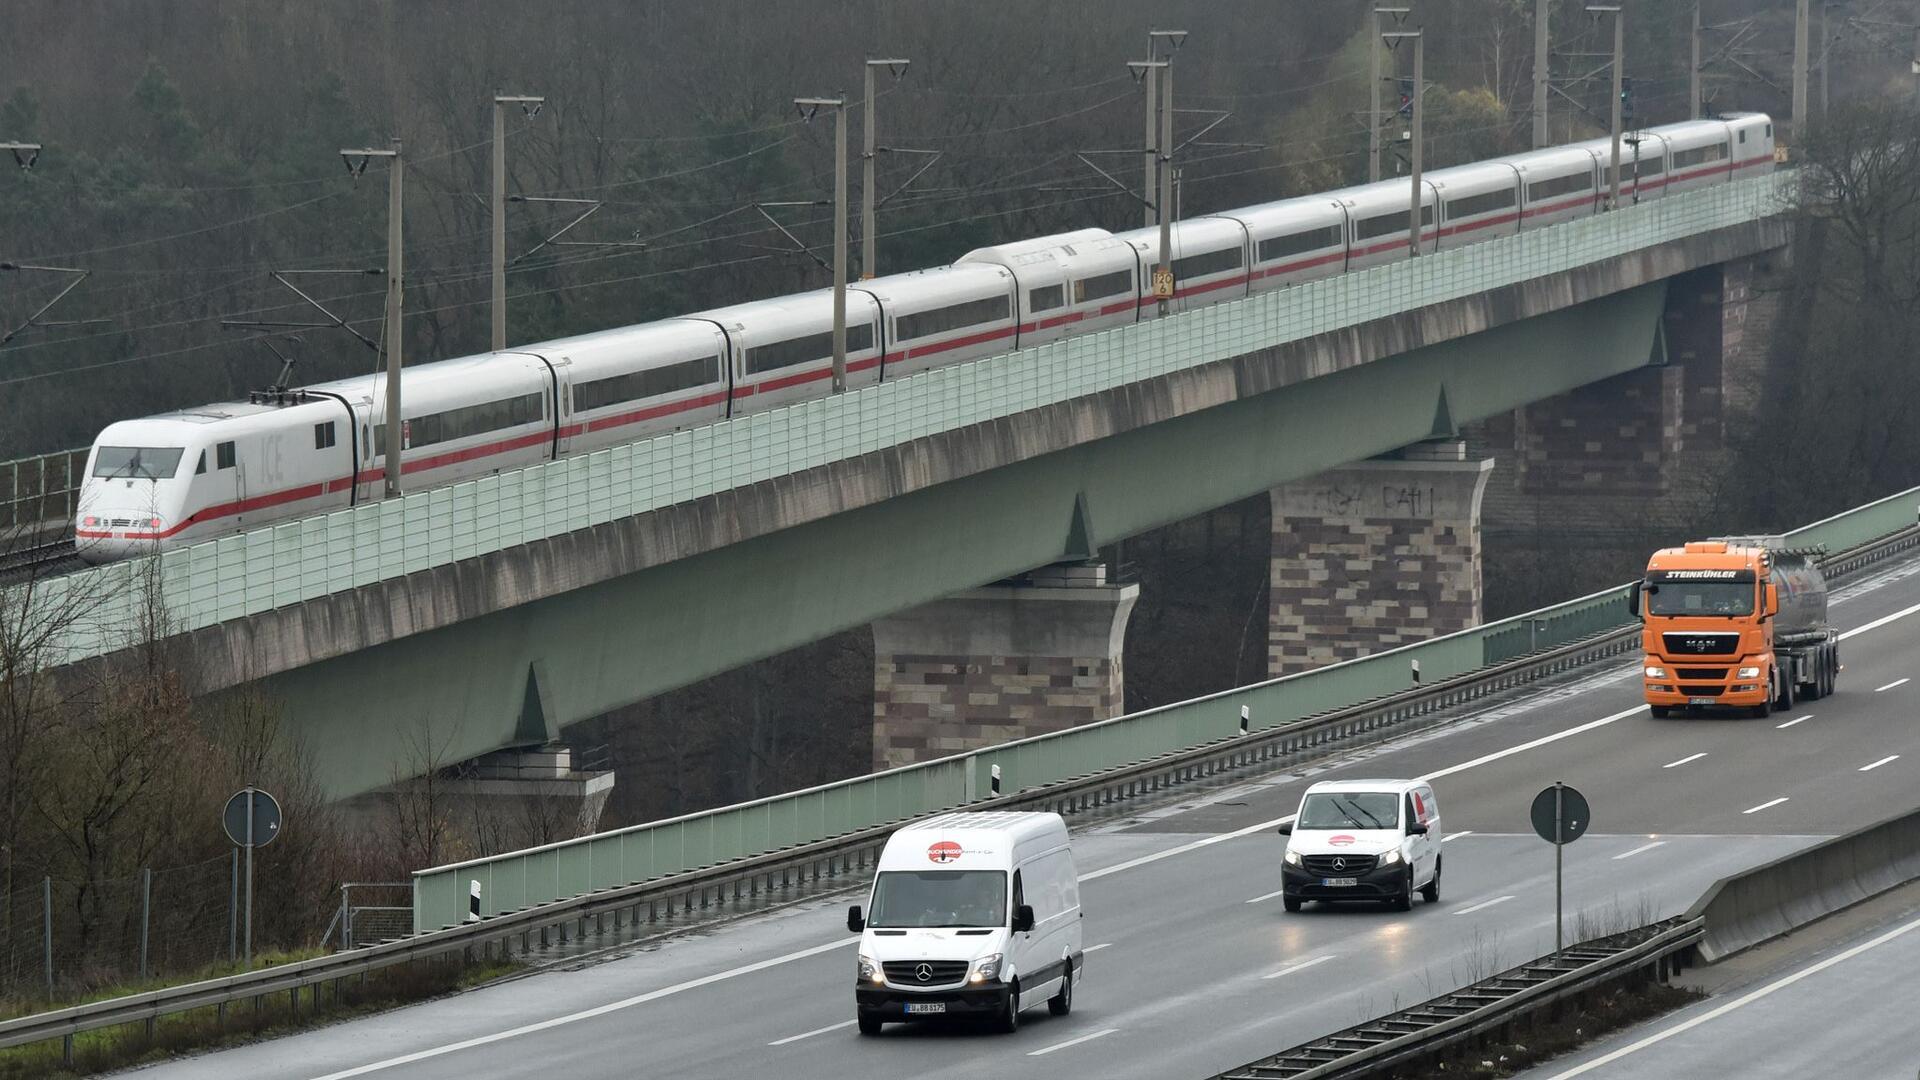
[61, 938]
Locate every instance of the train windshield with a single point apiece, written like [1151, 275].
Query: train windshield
[1701, 598]
[137, 462]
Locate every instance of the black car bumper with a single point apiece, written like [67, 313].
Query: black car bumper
[1382, 883]
[886, 1003]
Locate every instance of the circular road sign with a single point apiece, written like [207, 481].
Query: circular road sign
[266, 817]
[1574, 816]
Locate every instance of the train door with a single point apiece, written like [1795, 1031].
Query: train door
[216, 486]
[564, 429]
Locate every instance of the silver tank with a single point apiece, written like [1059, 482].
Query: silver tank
[1803, 596]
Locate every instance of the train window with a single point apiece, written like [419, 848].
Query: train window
[953, 317]
[1395, 222]
[1279, 247]
[471, 420]
[1484, 203]
[1046, 298]
[1743, 136]
[1559, 185]
[1093, 288]
[366, 441]
[223, 455]
[323, 435]
[805, 350]
[202, 467]
[1769, 131]
[1699, 155]
[653, 382]
[1207, 262]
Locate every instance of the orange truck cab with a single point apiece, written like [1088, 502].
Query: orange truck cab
[1734, 623]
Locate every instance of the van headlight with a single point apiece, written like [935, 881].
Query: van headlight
[985, 968]
[1293, 857]
[1748, 673]
[1390, 858]
[869, 971]
[1656, 672]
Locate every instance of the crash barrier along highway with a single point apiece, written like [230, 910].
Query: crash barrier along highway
[814, 835]
[1735, 913]
[1748, 908]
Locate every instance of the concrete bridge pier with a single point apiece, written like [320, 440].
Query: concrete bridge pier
[1373, 555]
[1024, 657]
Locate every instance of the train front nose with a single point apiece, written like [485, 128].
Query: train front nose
[104, 535]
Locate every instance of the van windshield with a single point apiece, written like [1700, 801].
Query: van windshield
[1350, 810]
[928, 898]
[139, 462]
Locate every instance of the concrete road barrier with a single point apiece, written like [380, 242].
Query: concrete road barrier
[1763, 903]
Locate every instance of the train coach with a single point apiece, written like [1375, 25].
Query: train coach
[211, 471]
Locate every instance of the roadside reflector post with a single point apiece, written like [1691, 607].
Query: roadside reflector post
[996, 780]
[1246, 717]
[473, 900]
[1416, 671]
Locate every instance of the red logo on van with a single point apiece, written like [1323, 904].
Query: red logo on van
[944, 852]
[1341, 840]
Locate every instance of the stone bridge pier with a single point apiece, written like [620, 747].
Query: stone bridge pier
[1037, 654]
[1373, 555]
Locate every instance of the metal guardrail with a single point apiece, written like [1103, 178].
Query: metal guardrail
[238, 576]
[855, 849]
[1375, 1046]
[39, 490]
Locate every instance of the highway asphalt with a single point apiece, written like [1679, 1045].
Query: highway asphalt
[1193, 966]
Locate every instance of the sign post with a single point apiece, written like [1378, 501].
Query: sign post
[1560, 817]
[252, 819]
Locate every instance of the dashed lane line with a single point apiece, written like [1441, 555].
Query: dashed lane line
[1070, 1042]
[1471, 908]
[1638, 850]
[1764, 805]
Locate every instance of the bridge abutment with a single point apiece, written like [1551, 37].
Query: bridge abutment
[1373, 555]
[1000, 663]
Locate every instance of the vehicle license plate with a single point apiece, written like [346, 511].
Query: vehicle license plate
[1332, 881]
[1702, 701]
[926, 1007]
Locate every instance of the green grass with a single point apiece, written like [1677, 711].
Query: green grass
[267, 1017]
[11, 1007]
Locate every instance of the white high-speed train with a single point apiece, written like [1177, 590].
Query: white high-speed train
[191, 475]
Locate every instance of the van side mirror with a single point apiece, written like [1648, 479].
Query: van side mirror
[1023, 918]
[1285, 829]
[1633, 599]
[1416, 829]
[854, 922]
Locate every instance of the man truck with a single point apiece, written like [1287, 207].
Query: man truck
[1734, 623]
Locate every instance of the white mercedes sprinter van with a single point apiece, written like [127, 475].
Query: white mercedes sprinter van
[1363, 840]
[970, 914]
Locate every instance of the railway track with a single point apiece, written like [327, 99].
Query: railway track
[38, 561]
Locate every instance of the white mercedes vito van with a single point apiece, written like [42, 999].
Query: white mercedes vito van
[970, 914]
[1363, 840]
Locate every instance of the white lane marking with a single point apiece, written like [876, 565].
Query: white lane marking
[1470, 909]
[1542, 741]
[1877, 689]
[1255, 900]
[804, 1034]
[1184, 848]
[1088, 949]
[1668, 765]
[1069, 1042]
[1622, 855]
[1788, 724]
[1764, 805]
[1289, 969]
[1456, 836]
[1863, 768]
[1874, 625]
[586, 1014]
[1749, 999]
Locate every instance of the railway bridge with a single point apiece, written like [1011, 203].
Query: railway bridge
[503, 609]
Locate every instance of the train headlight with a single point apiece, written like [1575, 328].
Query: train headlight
[90, 520]
[155, 522]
